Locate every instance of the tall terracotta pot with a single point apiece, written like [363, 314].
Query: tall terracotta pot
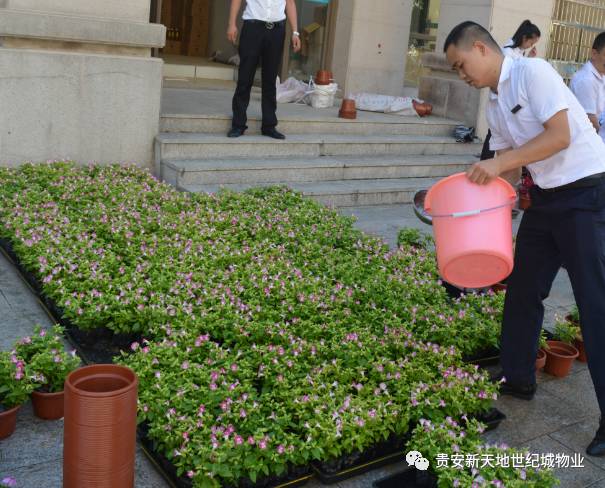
[559, 358]
[347, 109]
[100, 427]
[8, 422]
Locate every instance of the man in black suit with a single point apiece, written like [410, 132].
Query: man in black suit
[262, 37]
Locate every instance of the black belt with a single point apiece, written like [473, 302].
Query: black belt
[586, 182]
[268, 25]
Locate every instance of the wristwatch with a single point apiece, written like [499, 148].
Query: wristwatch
[296, 33]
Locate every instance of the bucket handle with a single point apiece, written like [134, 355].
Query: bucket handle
[469, 213]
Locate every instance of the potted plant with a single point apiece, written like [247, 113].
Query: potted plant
[542, 347]
[574, 318]
[15, 388]
[561, 353]
[49, 364]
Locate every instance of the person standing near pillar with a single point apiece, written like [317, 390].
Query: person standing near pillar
[588, 84]
[262, 38]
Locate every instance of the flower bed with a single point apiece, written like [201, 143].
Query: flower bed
[272, 333]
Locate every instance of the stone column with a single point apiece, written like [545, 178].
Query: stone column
[370, 45]
[77, 81]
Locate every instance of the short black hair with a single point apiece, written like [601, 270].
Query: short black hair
[468, 32]
[599, 42]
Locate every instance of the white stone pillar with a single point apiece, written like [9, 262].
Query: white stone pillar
[77, 81]
[370, 45]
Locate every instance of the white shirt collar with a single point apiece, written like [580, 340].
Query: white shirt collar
[507, 65]
[595, 71]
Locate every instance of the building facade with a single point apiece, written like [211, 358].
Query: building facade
[82, 79]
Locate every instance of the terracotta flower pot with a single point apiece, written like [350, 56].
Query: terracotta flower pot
[540, 359]
[420, 108]
[347, 109]
[100, 427]
[8, 422]
[559, 358]
[48, 406]
[579, 344]
[524, 201]
[323, 77]
[499, 287]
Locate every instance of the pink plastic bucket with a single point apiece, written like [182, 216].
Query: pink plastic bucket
[473, 230]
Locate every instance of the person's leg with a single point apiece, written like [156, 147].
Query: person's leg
[581, 237]
[273, 48]
[249, 53]
[537, 261]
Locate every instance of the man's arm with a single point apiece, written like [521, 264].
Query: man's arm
[513, 176]
[232, 26]
[293, 19]
[555, 138]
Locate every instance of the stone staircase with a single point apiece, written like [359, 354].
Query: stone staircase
[368, 161]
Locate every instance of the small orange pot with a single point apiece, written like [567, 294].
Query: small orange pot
[559, 358]
[540, 359]
[420, 108]
[524, 201]
[579, 344]
[347, 109]
[48, 406]
[100, 427]
[8, 422]
[323, 77]
[499, 287]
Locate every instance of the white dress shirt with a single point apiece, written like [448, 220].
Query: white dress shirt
[588, 85]
[513, 52]
[533, 85]
[267, 10]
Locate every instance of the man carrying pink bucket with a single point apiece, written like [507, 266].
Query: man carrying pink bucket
[535, 122]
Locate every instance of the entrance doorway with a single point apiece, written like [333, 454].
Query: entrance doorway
[317, 19]
[423, 38]
[197, 45]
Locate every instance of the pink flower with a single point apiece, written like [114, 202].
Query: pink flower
[280, 449]
[185, 365]
[134, 346]
[251, 440]
[239, 440]
[9, 482]
[190, 474]
[262, 444]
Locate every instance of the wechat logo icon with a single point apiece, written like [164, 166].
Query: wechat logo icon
[414, 458]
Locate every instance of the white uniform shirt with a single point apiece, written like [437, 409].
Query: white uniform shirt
[535, 86]
[513, 52]
[588, 85]
[267, 10]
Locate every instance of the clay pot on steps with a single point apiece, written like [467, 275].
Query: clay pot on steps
[8, 422]
[540, 359]
[100, 427]
[48, 406]
[347, 109]
[323, 77]
[559, 358]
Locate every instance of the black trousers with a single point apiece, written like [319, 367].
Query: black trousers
[566, 227]
[258, 43]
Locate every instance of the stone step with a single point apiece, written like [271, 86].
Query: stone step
[368, 124]
[326, 168]
[343, 193]
[211, 147]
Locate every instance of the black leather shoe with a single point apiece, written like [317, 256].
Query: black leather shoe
[523, 392]
[273, 133]
[235, 132]
[597, 446]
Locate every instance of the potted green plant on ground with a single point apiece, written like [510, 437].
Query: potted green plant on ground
[15, 388]
[574, 318]
[49, 365]
[542, 347]
[561, 353]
